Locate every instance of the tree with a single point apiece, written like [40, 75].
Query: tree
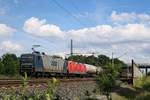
[103, 60]
[10, 63]
[92, 60]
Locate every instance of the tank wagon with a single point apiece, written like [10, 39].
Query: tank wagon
[40, 64]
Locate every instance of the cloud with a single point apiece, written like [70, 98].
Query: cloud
[8, 46]
[104, 33]
[133, 31]
[137, 51]
[131, 47]
[39, 28]
[97, 33]
[129, 17]
[5, 30]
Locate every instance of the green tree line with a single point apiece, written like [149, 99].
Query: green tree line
[9, 64]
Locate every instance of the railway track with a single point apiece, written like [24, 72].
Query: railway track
[16, 83]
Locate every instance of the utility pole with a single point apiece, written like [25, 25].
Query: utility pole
[116, 57]
[71, 48]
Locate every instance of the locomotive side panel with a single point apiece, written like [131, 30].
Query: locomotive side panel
[53, 64]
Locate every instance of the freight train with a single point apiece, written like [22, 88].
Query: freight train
[40, 64]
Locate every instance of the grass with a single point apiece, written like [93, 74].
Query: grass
[17, 76]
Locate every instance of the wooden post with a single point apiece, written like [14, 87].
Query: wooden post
[132, 68]
[146, 71]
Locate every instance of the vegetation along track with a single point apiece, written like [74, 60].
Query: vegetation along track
[34, 81]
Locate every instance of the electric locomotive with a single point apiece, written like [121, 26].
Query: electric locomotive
[40, 64]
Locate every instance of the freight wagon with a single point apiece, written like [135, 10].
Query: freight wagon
[40, 64]
[76, 69]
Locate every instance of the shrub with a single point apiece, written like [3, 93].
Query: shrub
[107, 80]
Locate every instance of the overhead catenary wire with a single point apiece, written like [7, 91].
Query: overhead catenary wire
[41, 40]
[68, 12]
[74, 5]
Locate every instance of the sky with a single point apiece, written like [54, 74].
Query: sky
[100, 26]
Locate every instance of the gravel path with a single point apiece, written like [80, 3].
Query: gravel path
[75, 90]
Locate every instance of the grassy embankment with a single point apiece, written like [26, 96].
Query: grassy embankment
[140, 90]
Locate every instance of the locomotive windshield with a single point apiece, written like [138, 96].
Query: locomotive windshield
[26, 63]
[27, 58]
